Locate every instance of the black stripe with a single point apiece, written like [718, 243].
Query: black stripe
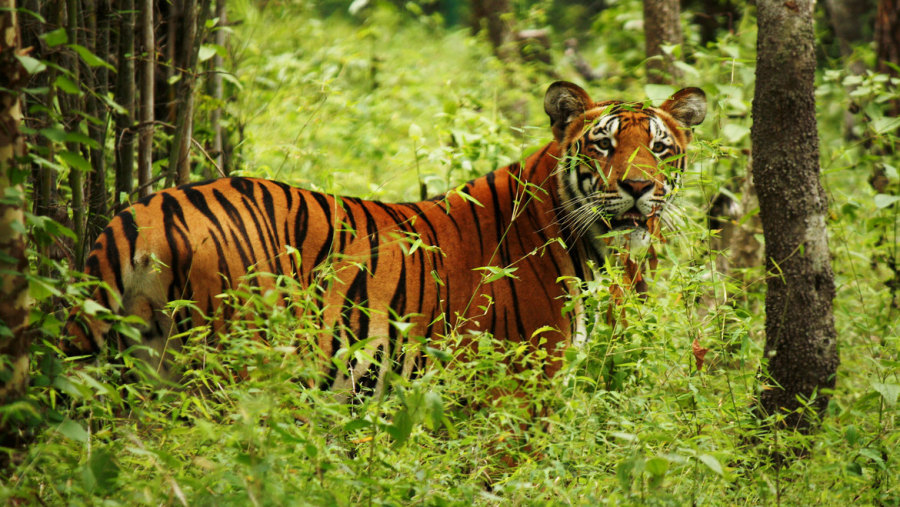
[130, 231]
[224, 269]
[499, 225]
[112, 258]
[172, 209]
[198, 200]
[473, 208]
[372, 235]
[329, 238]
[237, 221]
[398, 307]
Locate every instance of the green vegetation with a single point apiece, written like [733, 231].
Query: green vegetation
[371, 106]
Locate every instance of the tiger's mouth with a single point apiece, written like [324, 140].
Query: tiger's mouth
[631, 219]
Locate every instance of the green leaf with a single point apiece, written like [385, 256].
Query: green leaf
[497, 273]
[401, 427]
[65, 84]
[206, 52]
[56, 37]
[712, 463]
[873, 454]
[104, 469]
[92, 307]
[629, 437]
[657, 466]
[658, 93]
[55, 133]
[891, 172]
[734, 132]
[74, 161]
[40, 290]
[887, 391]
[31, 65]
[435, 406]
[415, 132]
[885, 124]
[72, 430]
[851, 434]
[884, 200]
[357, 424]
[438, 354]
[90, 58]
[402, 327]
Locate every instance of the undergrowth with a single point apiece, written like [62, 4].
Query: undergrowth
[383, 104]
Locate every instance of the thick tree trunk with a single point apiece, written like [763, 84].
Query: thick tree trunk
[148, 68]
[14, 295]
[662, 26]
[800, 336]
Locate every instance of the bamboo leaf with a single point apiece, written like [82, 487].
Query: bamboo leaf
[31, 65]
[884, 200]
[56, 37]
[90, 58]
[72, 430]
[75, 161]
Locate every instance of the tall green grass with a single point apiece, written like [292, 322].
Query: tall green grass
[374, 106]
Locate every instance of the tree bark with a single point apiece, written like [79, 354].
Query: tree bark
[800, 336]
[662, 26]
[97, 31]
[145, 130]
[217, 93]
[887, 40]
[43, 176]
[492, 13]
[125, 98]
[14, 298]
[71, 119]
[179, 155]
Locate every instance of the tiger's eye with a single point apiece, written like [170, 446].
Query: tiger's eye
[604, 144]
[658, 147]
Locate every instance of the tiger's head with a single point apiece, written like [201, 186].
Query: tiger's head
[620, 161]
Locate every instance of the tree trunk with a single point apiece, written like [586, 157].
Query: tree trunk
[491, 13]
[43, 176]
[887, 40]
[179, 155]
[217, 92]
[148, 68]
[125, 98]
[98, 14]
[14, 296]
[71, 119]
[662, 26]
[800, 336]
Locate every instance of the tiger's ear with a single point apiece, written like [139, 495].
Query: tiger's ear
[687, 106]
[563, 103]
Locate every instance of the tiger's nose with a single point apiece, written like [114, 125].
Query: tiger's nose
[636, 188]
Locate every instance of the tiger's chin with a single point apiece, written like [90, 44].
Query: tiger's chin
[633, 234]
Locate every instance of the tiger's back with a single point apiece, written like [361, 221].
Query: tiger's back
[370, 262]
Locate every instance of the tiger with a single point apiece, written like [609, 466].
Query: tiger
[501, 254]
